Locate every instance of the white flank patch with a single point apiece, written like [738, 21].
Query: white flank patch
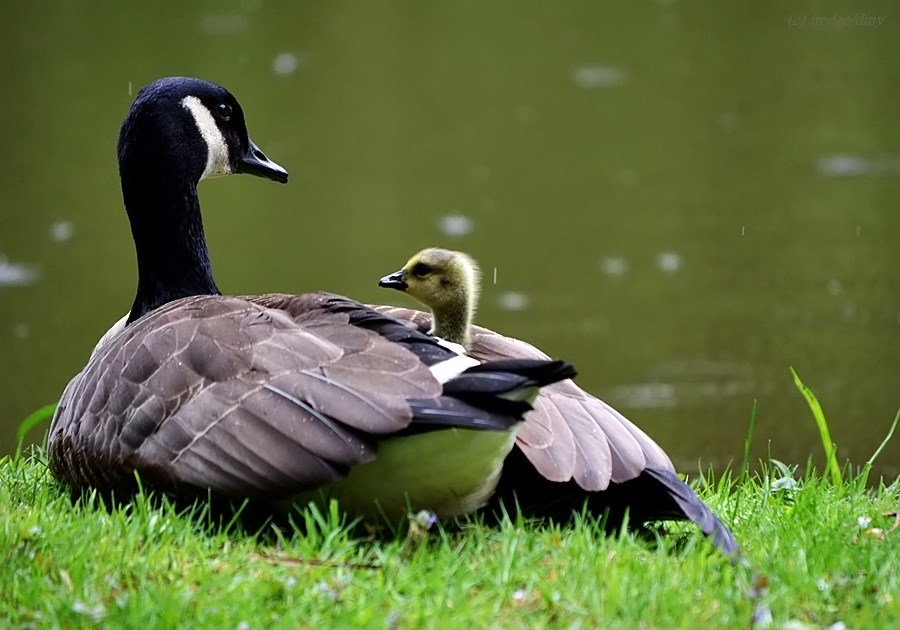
[217, 162]
[451, 368]
[451, 346]
[116, 328]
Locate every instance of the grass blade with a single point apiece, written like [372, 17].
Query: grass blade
[745, 465]
[884, 442]
[33, 419]
[819, 416]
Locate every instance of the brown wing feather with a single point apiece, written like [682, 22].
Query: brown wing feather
[570, 434]
[257, 398]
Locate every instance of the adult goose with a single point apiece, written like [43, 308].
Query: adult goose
[279, 398]
[574, 448]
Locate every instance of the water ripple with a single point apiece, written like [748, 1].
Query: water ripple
[592, 76]
[847, 165]
[16, 274]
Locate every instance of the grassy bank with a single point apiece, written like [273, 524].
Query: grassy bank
[819, 552]
[823, 549]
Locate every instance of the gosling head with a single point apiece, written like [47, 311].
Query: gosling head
[445, 281]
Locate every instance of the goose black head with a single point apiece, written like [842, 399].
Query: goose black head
[190, 127]
[177, 132]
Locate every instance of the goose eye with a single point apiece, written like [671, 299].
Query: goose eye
[223, 110]
[421, 270]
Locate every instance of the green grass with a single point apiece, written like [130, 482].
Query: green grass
[821, 549]
[818, 552]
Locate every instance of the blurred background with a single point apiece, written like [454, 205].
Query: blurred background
[683, 200]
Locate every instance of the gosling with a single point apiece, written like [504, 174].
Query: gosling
[449, 284]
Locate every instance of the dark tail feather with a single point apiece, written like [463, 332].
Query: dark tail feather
[495, 378]
[483, 397]
[696, 510]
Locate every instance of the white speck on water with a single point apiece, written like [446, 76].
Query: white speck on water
[513, 301]
[614, 266]
[626, 177]
[481, 173]
[61, 231]
[845, 165]
[526, 114]
[668, 262]
[251, 6]
[21, 330]
[729, 122]
[858, 230]
[16, 274]
[223, 23]
[455, 225]
[594, 76]
[286, 63]
[645, 395]
[849, 312]
[834, 287]
[668, 21]
[743, 229]
[130, 88]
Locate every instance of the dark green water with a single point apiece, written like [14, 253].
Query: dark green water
[683, 200]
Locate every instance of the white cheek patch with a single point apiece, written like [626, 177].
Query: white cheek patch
[217, 162]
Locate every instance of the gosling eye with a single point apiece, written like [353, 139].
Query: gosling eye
[223, 111]
[420, 270]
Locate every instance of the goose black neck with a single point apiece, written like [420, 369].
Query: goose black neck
[173, 261]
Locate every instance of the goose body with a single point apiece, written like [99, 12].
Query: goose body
[279, 398]
[573, 448]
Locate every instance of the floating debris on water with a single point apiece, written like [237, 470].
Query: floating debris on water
[644, 395]
[526, 114]
[455, 225]
[626, 177]
[62, 231]
[614, 266]
[846, 165]
[286, 63]
[21, 330]
[16, 274]
[224, 23]
[657, 395]
[513, 301]
[592, 76]
[668, 262]
[728, 122]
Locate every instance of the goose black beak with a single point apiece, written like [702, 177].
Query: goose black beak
[255, 162]
[394, 281]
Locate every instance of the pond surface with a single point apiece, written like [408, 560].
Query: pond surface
[682, 202]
